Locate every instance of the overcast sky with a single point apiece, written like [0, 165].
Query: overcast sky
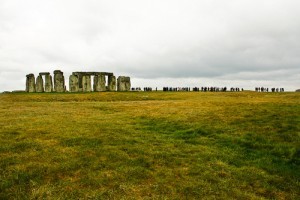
[242, 43]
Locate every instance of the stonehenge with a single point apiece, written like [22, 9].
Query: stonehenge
[78, 82]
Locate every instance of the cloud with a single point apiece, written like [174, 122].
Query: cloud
[196, 39]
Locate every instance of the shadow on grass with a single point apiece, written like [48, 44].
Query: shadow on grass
[269, 152]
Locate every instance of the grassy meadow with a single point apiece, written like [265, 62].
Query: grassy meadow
[150, 145]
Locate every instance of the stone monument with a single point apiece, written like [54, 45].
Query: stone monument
[78, 82]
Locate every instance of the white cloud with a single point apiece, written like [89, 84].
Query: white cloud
[234, 40]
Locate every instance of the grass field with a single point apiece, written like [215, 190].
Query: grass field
[150, 145]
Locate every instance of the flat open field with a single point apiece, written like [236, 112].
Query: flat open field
[150, 145]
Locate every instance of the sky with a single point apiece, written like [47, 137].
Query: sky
[176, 43]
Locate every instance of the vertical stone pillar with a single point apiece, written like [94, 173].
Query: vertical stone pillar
[86, 83]
[27, 84]
[95, 83]
[99, 83]
[111, 83]
[74, 83]
[39, 84]
[59, 81]
[80, 82]
[30, 83]
[48, 83]
[128, 84]
[124, 83]
[120, 85]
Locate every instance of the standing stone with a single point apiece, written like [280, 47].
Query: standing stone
[80, 87]
[95, 83]
[74, 83]
[59, 81]
[30, 83]
[128, 84]
[124, 83]
[99, 83]
[27, 83]
[48, 83]
[39, 84]
[111, 83]
[86, 83]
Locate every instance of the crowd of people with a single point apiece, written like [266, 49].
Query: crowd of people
[145, 89]
[263, 89]
[148, 89]
[206, 89]
[176, 89]
[188, 89]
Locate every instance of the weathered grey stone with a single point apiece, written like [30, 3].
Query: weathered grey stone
[99, 83]
[44, 73]
[59, 81]
[48, 83]
[124, 83]
[73, 83]
[298, 90]
[30, 83]
[111, 83]
[39, 84]
[93, 73]
[86, 83]
[78, 82]
[27, 84]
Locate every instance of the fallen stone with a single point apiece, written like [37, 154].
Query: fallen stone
[18, 91]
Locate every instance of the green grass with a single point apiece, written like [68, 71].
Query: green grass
[150, 145]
